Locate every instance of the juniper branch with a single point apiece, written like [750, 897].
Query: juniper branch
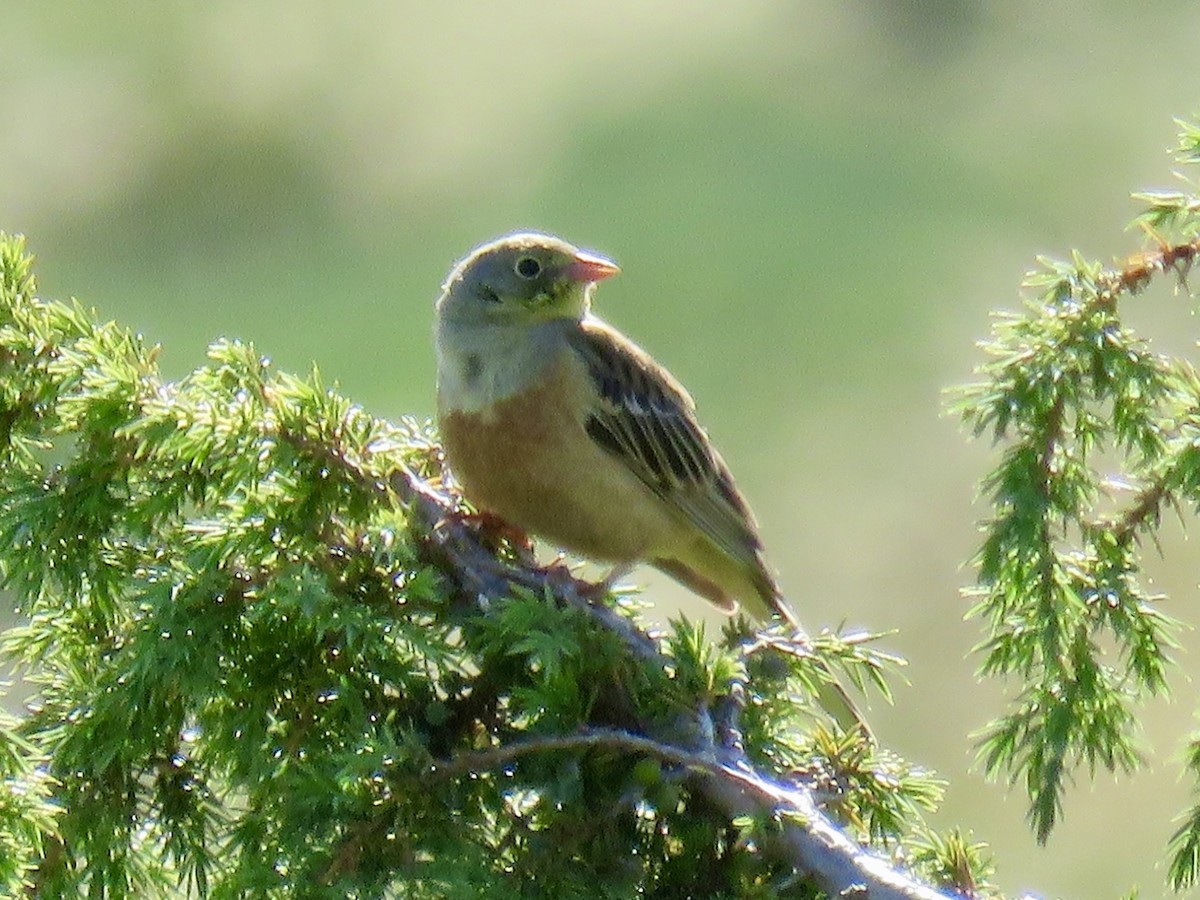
[814, 845]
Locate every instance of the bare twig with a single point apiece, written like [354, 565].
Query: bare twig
[1140, 269]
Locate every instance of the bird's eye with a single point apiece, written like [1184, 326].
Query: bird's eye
[528, 267]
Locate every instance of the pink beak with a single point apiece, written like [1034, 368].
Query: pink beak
[588, 268]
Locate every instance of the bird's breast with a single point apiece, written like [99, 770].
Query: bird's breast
[529, 459]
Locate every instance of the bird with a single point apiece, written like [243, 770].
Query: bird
[560, 426]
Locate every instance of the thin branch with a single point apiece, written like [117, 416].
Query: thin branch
[1053, 437]
[837, 865]
[590, 738]
[1142, 510]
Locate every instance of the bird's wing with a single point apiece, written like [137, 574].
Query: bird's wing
[644, 418]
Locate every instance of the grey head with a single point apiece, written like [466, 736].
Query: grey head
[525, 277]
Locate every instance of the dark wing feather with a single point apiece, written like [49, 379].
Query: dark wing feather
[645, 419]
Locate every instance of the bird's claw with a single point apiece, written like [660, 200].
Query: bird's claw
[495, 531]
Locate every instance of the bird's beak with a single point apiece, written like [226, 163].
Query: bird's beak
[587, 268]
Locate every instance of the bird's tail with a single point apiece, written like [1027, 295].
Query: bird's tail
[836, 701]
[832, 696]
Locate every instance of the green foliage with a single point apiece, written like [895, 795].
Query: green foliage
[253, 680]
[26, 814]
[1185, 842]
[954, 861]
[1099, 434]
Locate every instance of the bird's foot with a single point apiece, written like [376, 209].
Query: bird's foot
[606, 584]
[590, 591]
[495, 530]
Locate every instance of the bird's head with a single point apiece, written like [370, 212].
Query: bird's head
[525, 277]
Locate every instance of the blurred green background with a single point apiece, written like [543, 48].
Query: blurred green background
[815, 206]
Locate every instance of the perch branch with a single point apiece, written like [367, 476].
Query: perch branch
[808, 839]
